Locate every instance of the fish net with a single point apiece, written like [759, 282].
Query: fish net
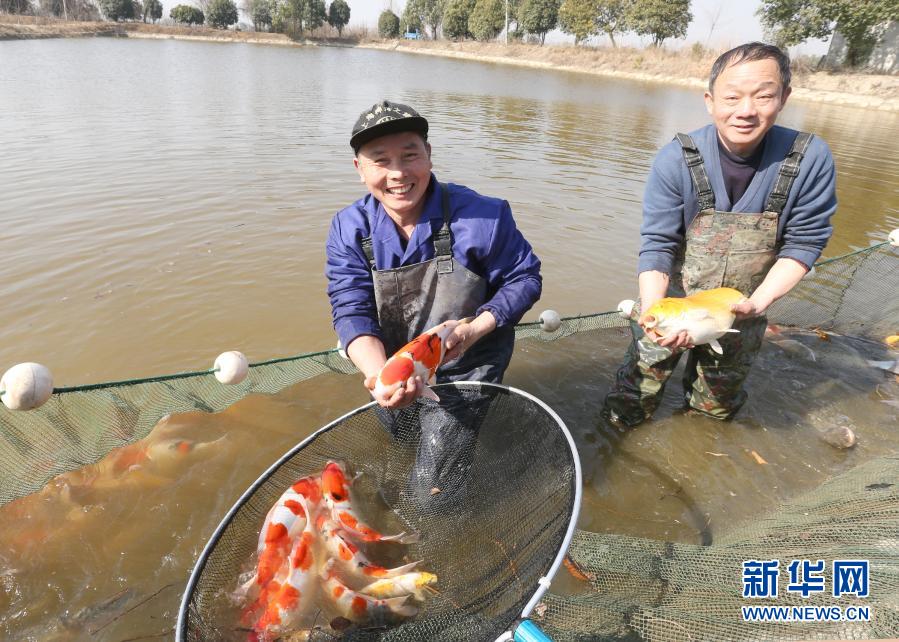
[487, 568]
[633, 588]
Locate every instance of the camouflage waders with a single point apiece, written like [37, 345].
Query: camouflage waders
[721, 249]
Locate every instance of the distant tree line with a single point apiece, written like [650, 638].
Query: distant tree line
[486, 19]
[293, 17]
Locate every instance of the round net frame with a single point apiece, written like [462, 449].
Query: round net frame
[494, 527]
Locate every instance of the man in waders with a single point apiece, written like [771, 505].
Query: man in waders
[740, 203]
[413, 253]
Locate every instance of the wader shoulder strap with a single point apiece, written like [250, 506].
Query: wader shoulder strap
[443, 240]
[695, 164]
[368, 250]
[789, 170]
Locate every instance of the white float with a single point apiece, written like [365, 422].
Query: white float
[26, 386]
[550, 321]
[231, 367]
[894, 237]
[626, 308]
[341, 351]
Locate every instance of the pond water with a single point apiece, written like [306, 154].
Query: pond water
[164, 201]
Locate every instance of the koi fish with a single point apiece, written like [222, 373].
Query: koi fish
[418, 358]
[336, 495]
[284, 596]
[288, 517]
[358, 607]
[351, 561]
[408, 584]
[706, 316]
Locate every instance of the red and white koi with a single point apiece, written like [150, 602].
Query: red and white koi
[289, 597]
[358, 607]
[349, 560]
[414, 584]
[286, 519]
[336, 496]
[418, 358]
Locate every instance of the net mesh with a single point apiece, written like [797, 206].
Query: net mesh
[664, 591]
[488, 568]
[637, 588]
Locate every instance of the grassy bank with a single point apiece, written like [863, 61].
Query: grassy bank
[688, 67]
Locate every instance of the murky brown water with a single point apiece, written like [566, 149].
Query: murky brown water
[166, 201]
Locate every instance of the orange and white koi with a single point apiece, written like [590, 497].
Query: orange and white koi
[413, 584]
[418, 358]
[287, 518]
[352, 562]
[358, 607]
[336, 496]
[289, 596]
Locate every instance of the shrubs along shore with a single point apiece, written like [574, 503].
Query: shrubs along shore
[687, 67]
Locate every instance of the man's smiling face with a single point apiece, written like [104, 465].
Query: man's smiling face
[396, 169]
[746, 99]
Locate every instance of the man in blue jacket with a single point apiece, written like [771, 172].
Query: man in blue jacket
[413, 253]
[740, 203]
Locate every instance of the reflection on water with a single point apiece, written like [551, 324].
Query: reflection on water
[166, 201]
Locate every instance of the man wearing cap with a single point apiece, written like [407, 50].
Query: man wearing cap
[741, 203]
[415, 252]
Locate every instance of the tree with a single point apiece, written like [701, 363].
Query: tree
[116, 10]
[295, 16]
[388, 24]
[539, 17]
[859, 21]
[488, 19]
[222, 13]
[578, 17]
[152, 10]
[611, 17]
[424, 13]
[456, 17]
[186, 14]
[16, 6]
[660, 19]
[260, 12]
[339, 15]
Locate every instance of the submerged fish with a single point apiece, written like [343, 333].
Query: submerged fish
[349, 559]
[283, 523]
[288, 597]
[418, 358]
[358, 607]
[413, 584]
[336, 494]
[706, 316]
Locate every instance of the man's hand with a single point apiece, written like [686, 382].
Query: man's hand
[400, 398]
[746, 309]
[466, 335]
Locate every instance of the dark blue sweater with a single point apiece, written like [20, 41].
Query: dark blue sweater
[670, 205]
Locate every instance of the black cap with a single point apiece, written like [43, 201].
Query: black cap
[385, 118]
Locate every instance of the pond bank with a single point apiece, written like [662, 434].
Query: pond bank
[686, 68]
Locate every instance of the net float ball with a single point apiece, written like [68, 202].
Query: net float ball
[550, 321]
[894, 237]
[231, 367]
[26, 386]
[626, 308]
